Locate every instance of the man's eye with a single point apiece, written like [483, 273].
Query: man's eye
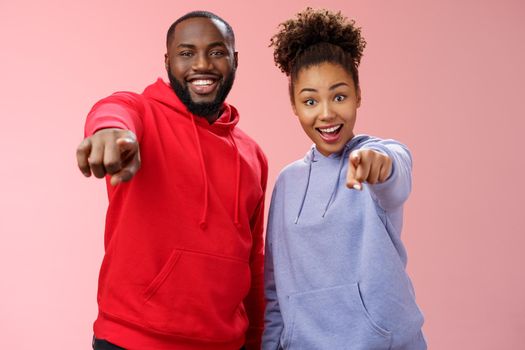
[186, 53]
[217, 53]
[310, 102]
[339, 98]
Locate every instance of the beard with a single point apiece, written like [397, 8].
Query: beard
[203, 109]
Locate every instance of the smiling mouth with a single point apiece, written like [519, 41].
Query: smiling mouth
[330, 134]
[203, 86]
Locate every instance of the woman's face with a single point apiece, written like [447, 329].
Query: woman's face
[325, 101]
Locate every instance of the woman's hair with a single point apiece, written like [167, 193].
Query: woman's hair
[314, 37]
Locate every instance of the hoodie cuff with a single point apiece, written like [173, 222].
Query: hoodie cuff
[104, 123]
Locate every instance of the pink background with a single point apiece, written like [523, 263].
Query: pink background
[445, 77]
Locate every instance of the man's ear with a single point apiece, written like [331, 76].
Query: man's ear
[167, 61]
[236, 59]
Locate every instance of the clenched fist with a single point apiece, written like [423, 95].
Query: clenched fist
[112, 152]
[367, 165]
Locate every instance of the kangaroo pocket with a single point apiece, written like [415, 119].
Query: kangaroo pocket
[198, 296]
[333, 318]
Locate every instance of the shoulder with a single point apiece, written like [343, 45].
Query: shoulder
[294, 167]
[292, 172]
[246, 142]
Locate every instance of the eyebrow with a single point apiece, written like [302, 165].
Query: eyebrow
[335, 86]
[213, 44]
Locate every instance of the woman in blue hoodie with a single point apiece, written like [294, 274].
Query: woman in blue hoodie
[335, 265]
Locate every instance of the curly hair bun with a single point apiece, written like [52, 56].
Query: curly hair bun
[311, 28]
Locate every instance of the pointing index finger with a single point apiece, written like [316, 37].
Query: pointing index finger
[129, 149]
[353, 165]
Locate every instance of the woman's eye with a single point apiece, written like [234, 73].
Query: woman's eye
[309, 102]
[339, 98]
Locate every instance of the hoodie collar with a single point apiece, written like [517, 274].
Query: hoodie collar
[313, 154]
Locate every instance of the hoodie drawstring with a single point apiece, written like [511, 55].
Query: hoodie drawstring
[203, 224]
[237, 179]
[306, 187]
[334, 190]
[336, 186]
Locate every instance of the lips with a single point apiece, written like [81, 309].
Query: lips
[330, 133]
[203, 84]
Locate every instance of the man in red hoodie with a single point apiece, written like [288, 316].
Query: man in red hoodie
[183, 242]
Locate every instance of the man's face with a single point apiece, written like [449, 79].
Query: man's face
[201, 64]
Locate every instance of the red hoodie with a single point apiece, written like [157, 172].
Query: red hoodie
[183, 264]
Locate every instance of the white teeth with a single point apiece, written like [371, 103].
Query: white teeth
[332, 129]
[202, 82]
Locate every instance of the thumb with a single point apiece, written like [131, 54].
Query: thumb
[353, 164]
[129, 150]
[355, 158]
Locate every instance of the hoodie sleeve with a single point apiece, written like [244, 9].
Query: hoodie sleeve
[254, 302]
[392, 193]
[273, 320]
[122, 110]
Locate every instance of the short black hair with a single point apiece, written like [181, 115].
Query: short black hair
[197, 14]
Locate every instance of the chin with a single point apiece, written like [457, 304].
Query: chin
[203, 99]
[330, 150]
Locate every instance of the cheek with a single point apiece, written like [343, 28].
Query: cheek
[224, 66]
[306, 118]
[349, 113]
[178, 68]
[308, 129]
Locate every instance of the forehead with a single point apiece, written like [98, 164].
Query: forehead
[322, 76]
[200, 31]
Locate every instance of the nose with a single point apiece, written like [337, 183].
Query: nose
[326, 112]
[201, 63]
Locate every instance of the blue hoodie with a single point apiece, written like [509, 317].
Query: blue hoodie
[335, 265]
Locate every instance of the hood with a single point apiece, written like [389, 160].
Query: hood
[310, 158]
[223, 127]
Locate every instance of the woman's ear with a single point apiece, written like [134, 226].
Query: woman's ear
[291, 94]
[358, 96]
